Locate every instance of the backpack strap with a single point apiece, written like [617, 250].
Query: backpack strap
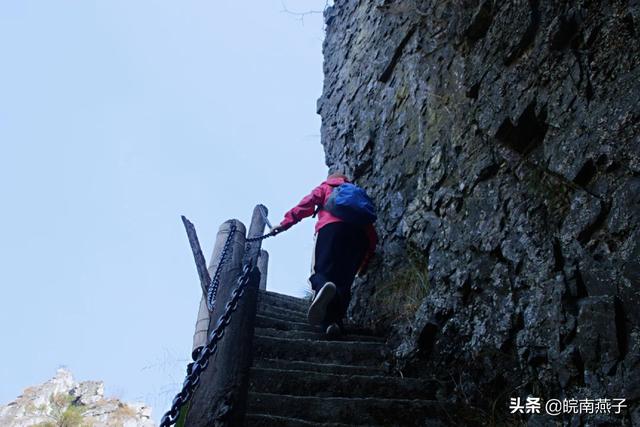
[320, 207]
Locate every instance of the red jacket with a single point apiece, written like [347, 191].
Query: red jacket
[318, 197]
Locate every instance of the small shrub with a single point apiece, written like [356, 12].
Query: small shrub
[63, 412]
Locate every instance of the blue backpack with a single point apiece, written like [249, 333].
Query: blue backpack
[351, 204]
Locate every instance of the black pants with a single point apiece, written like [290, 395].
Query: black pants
[340, 248]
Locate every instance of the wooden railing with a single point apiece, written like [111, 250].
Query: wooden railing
[220, 399]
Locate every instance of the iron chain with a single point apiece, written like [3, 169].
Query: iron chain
[202, 361]
[257, 239]
[212, 289]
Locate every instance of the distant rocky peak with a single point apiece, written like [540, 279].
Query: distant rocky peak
[63, 401]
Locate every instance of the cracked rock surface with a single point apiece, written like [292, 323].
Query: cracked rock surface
[501, 143]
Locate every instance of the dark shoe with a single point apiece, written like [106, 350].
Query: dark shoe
[333, 330]
[318, 308]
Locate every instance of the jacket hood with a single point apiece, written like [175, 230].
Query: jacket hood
[336, 181]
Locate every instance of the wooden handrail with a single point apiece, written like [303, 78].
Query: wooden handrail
[220, 399]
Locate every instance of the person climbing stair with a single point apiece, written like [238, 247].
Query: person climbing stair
[345, 240]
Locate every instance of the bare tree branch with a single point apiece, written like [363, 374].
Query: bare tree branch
[301, 15]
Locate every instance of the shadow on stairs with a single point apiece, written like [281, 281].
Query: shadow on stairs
[301, 378]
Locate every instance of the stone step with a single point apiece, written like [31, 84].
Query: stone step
[264, 420]
[263, 321]
[343, 352]
[279, 297]
[282, 313]
[316, 335]
[283, 301]
[296, 383]
[296, 311]
[351, 411]
[283, 325]
[329, 368]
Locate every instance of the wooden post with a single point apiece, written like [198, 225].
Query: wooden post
[201, 265]
[252, 250]
[232, 265]
[220, 400]
[202, 321]
[202, 402]
[202, 327]
[263, 266]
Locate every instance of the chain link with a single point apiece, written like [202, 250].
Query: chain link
[212, 289]
[257, 239]
[202, 361]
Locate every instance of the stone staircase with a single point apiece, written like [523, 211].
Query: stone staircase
[300, 378]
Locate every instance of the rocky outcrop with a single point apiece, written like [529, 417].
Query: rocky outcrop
[63, 401]
[501, 143]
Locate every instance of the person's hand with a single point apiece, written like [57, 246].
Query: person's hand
[277, 230]
[361, 271]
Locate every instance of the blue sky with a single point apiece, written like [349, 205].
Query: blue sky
[117, 117]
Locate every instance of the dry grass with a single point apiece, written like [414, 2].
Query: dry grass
[400, 296]
[123, 413]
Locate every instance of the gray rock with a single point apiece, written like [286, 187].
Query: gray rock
[46, 402]
[501, 143]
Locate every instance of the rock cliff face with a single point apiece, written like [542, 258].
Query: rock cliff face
[63, 402]
[501, 142]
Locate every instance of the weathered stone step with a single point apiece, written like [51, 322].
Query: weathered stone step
[271, 294]
[280, 297]
[282, 324]
[352, 411]
[316, 335]
[329, 368]
[263, 321]
[283, 313]
[283, 301]
[296, 383]
[343, 352]
[286, 310]
[264, 420]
